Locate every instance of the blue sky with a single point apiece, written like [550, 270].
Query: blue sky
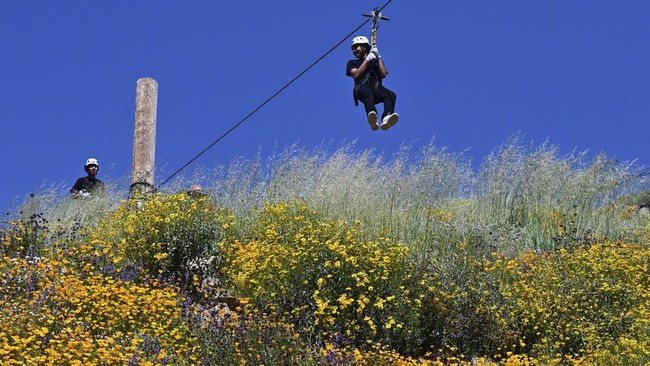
[467, 74]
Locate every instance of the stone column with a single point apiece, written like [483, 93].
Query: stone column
[144, 137]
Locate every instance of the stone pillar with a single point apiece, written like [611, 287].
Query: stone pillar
[144, 137]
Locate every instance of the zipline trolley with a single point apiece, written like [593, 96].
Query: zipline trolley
[376, 17]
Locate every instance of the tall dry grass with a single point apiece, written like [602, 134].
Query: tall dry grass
[521, 196]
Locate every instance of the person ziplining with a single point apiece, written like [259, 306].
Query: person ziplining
[368, 70]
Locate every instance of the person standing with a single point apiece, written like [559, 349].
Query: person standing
[368, 70]
[85, 186]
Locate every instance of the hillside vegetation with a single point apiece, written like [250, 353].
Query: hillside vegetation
[320, 257]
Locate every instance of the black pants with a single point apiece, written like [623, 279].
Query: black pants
[370, 97]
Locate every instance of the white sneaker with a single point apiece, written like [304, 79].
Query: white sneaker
[372, 119]
[389, 121]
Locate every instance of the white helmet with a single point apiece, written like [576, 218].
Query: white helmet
[360, 40]
[91, 161]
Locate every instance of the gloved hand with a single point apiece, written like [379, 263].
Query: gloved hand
[375, 51]
[371, 56]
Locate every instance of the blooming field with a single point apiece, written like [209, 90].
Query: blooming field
[177, 279]
[54, 314]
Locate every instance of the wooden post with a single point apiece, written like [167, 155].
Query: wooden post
[144, 137]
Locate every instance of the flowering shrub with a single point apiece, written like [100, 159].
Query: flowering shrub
[465, 312]
[592, 302]
[326, 276]
[175, 234]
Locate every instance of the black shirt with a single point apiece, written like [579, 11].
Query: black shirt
[87, 184]
[371, 75]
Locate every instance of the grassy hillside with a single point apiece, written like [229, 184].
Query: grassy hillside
[320, 257]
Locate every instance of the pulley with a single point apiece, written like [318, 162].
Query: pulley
[376, 17]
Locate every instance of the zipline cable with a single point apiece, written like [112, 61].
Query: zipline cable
[270, 98]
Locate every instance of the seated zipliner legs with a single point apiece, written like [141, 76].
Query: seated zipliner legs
[370, 98]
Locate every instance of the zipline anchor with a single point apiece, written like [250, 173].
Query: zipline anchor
[376, 17]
